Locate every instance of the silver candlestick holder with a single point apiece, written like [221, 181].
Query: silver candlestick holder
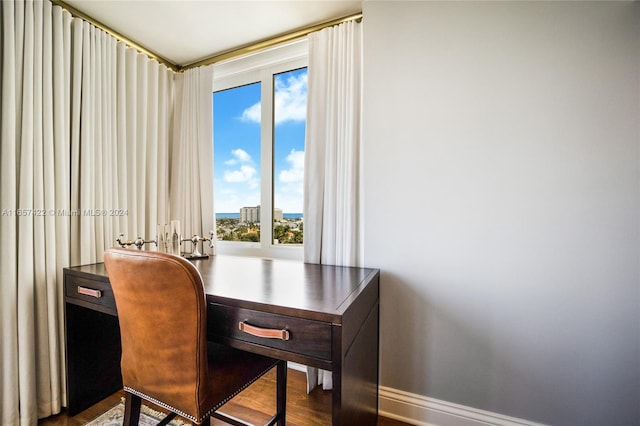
[138, 242]
[172, 244]
[195, 240]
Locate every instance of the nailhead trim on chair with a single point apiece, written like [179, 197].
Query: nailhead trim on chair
[208, 413]
[160, 403]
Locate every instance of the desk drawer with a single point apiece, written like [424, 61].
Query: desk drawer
[89, 291]
[306, 337]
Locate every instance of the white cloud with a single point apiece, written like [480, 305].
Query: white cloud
[243, 171]
[239, 156]
[242, 155]
[289, 191]
[290, 101]
[244, 174]
[295, 173]
[253, 113]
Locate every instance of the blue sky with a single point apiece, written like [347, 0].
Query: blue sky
[236, 134]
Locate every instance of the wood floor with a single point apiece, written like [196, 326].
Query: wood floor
[256, 404]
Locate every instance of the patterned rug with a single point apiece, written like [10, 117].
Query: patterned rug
[148, 417]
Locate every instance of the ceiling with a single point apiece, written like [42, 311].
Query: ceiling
[186, 31]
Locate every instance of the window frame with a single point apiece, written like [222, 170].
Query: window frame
[262, 67]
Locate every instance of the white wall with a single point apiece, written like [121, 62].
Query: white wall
[502, 182]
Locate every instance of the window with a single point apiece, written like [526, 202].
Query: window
[259, 119]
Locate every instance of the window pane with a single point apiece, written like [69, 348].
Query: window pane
[236, 153]
[290, 115]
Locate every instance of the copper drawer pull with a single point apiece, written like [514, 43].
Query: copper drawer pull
[267, 333]
[90, 292]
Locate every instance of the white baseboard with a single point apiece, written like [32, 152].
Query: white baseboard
[424, 411]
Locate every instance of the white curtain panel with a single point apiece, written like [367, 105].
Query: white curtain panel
[333, 166]
[121, 109]
[85, 125]
[192, 153]
[34, 193]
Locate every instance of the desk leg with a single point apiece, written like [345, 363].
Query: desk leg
[93, 357]
[281, 396]
[355, 380]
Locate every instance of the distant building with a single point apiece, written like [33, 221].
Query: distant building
[252, 215]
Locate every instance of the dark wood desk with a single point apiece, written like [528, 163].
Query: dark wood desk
[331, 314]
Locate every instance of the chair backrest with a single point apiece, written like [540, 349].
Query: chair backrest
[162, 312]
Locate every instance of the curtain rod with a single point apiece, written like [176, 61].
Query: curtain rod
[271, 42]
[77, 14]
[249, 48]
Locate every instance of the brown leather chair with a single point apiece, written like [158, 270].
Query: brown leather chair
[166, 358]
